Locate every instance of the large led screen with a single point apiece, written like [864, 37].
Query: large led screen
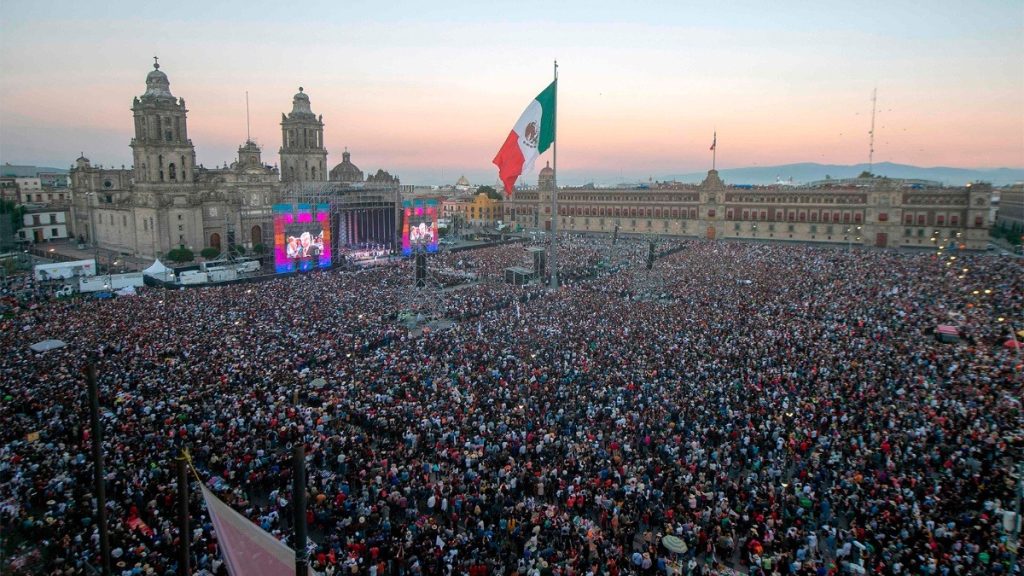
[302, 237]
[419, 226]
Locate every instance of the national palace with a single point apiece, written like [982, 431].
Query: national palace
[863, 211]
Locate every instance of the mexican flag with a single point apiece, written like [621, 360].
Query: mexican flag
[532, 135]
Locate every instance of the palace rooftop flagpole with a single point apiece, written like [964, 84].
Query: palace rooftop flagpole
[714, 149]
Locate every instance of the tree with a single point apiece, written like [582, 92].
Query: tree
[238, 249]
[180, 255]
[259, 249]
[209, 253]
[16, 213]
[490, 191]
[866, 174]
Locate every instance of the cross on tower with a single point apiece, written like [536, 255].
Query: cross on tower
[156, 62]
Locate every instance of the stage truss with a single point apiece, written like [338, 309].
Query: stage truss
[365, 219]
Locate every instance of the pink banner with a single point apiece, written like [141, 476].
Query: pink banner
[247, 550]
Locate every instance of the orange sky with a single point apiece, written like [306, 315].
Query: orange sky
[424, 92]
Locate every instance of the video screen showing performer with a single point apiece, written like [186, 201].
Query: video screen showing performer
[301, 242]
[301, 237]
[419, 226]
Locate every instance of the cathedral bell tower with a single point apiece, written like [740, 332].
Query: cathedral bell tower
[161, 148]
[303, 156]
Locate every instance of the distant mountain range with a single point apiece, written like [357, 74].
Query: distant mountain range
[24, 171]
[809, 172]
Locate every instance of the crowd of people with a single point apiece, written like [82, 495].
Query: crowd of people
[778, 409]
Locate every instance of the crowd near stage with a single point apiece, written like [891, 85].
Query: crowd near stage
[775, 409]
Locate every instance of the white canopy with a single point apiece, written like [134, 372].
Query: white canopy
[157, 269]
[47, 345]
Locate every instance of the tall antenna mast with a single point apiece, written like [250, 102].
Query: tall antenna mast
[871, 142]
[248, 138]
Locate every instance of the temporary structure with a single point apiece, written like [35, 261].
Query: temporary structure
[47, 345]
[158, 271]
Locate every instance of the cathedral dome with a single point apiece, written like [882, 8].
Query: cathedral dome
[346, 171]
[546, 178]
[157, 84]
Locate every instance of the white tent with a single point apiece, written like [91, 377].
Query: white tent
[47, 345]
[156, 269]
[160, 272]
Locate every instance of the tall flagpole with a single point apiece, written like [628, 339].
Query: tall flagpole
[553, 259]
[714, 149]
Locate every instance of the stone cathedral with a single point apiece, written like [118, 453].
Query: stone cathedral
[166, 200]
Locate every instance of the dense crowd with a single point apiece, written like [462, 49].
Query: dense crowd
[779, 409]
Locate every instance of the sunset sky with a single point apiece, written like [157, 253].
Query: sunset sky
[429, 90]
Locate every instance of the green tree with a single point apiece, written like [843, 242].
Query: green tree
[490, 191]
[16, 213]
[180, 255]
[238, 249]
[259, 249]
[209, 253]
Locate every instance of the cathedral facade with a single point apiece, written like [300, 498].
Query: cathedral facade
[166, 200]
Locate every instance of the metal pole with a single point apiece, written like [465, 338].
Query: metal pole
[186, 534]
[97, 459]
[1015, 539]
[299, 498]
[553, 259]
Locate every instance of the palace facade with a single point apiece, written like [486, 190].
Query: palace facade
[867, 212]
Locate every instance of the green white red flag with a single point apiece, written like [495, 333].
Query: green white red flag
[531, 136]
